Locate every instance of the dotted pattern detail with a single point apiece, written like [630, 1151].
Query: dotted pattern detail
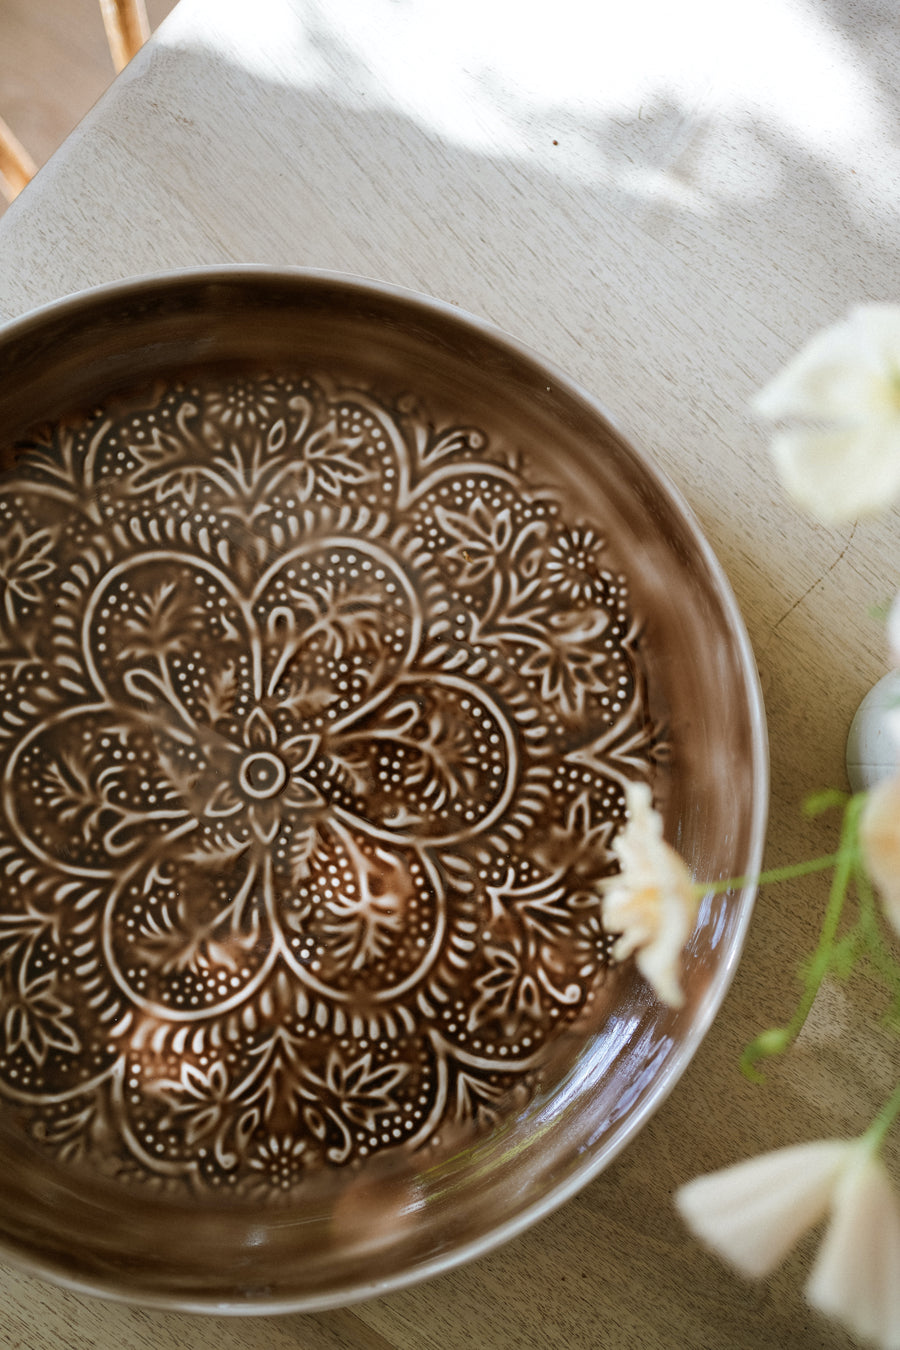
[315, 723]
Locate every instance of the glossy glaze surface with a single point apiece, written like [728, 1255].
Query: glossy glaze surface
[323, 680]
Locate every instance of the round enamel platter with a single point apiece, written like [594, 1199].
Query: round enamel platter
[333, 626]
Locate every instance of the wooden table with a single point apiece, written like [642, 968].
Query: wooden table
[666, 200]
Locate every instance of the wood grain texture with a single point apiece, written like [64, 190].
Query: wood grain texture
[666, 203]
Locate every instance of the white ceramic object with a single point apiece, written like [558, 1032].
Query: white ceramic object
[873, 741]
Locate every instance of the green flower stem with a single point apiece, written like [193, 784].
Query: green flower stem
[884, 1120]
[876, 948]
[774, 874]
[846, 864]
[844, 867]
[821, 957]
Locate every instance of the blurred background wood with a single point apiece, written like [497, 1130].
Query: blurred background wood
[127, 29]
[55, 62]
[16, 165]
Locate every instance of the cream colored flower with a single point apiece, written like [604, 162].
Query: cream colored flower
[652, 902]
[842, 458]
[879, 836]
[753, 1213]
[856, 1278]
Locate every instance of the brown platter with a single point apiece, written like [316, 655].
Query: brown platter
[333, 624]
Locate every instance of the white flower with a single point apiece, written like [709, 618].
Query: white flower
[843, 389]
[856, 1278]
[752, 1214]
[879, 837]
[652, 902]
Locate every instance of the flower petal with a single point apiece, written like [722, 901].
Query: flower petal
[651, 902]
[840, 474]
[259, 731]
[301, 795]
[265, 820]
[753, 1213]
[856, 1278]
[879, 835]
[842, 373]
[299, 750]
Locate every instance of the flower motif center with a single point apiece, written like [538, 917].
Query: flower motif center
[263, 774]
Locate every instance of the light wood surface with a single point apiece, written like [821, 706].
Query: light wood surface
[666, 201]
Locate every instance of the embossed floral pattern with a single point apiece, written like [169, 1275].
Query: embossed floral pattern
[315, 727]
[24, 562]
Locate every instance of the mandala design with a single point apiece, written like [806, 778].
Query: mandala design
[314, 727]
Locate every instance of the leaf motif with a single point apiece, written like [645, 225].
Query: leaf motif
[454, 441]
[72, 795]
[364, 921]
[56, 460]
[548, 916]
[440, 756]
[305, 845]
[66, 1130]
[276, 437]
[327, 458]
[362, 927]
[566, 670]
[19, 933]
[343, 619]
[482, 537]
[243, 1130]
[202, 1122]
[507, 992]
[37, 1020]
[477, 1099]
[219, 692]
[200, 1102]
[305, 699]
[276, 1082]
[170, 943]
[160, 623]
[518, 610]
[162, 468]
[25, 559]
[362, 1092]
[448, 761]
[315, 1122]
[338, 471]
